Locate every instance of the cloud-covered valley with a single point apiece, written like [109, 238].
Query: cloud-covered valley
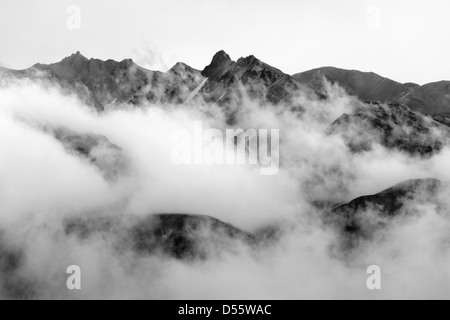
[79, 186]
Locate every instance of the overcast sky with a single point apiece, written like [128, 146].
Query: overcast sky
[406, 40]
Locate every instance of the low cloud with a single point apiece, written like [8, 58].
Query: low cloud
[43, 184]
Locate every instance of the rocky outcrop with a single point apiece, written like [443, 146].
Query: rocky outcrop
[228, 80]
[393, 126]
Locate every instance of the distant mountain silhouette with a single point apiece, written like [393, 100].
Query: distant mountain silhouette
[366, 86]
[106, 84]
[430, 99]
[177, 235]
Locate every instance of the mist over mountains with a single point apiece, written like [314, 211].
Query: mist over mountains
[111, 82]
[110, 85]
[87, 179]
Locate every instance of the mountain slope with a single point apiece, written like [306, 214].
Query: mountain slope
[366, 86]
[177, 235]
[103, 81]
[226, 77]
[108, 158]
[392, 126]
[365, 215]
[430, 99]
[110, 83]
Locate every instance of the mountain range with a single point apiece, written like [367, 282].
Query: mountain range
[107, 83]
[430, 99]
[405, 117]
[401, 117]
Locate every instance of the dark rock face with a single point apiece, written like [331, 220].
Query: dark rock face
[101, 82]
[177, 85]
[220, 65]
[362, 217]
[178, 236]
[392, 126]
[261, 81]
[109, 84]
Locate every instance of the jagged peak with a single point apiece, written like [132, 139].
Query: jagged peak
[76, 57]
[180, 66]
[220, 62]
[128, 63]
[221, 56]
[251, 62]
[249, 59]
[79, 58]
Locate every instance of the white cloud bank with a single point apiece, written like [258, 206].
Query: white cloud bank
[42, 184]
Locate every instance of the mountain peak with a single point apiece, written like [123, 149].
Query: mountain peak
[78, 55]
[221, 56]
[250, 59]
[75, 59]
[179, 66]
[183, 70]
[220, 62]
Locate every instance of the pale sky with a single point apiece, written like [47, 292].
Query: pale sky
[405, 40]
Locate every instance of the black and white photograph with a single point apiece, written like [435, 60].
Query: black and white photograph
[224, 150]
